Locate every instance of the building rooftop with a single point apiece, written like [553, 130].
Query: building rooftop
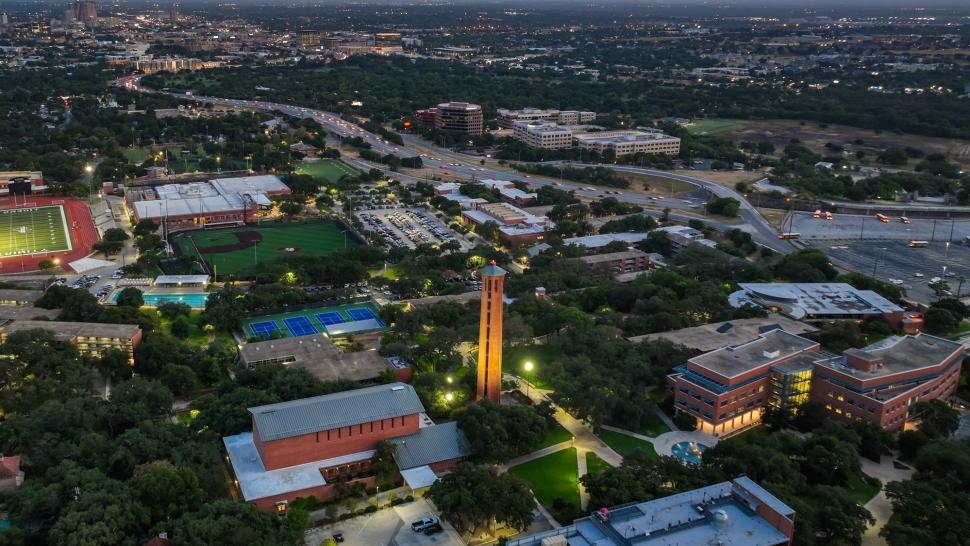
[27, 312]
[430, 445]
[618, 137]
[182, 279]
[709, 337]
[256, 482]
[768, 347]
[70, 330]
[330, 411]
[898, 354]
[800, 300]
[19, 296]
[316, 354]
[613, 256]
[723, 514]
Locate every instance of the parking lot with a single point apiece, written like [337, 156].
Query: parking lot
[388, 527]
[409, 227]
[896, 261]
[852, 226]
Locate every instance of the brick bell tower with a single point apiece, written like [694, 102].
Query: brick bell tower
[490, 334]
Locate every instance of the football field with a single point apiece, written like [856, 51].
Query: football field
[33, 230]
[330, 169]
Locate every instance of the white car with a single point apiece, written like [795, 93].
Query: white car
[918, 275]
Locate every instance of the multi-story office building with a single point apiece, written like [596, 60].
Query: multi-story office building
[883, 382]
[460, 117]
[90, 338]
[735, 513]
[629, 142]
[309, 446]
[615, 263]
[515, 225]
[727, 389]
[507, 118]
[543, 134]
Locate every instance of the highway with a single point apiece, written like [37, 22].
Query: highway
[458, 165]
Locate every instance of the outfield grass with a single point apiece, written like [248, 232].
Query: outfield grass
[330, 169]
[625, 445]
[309, 238]
[594, 464]
[33, 231]
[553, 477]
[713, 126]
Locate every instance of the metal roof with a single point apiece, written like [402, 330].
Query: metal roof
[492, 270]
[330, 411]
[430, 445]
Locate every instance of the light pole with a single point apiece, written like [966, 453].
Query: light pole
[528, 367]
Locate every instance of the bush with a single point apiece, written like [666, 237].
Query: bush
[685, 421]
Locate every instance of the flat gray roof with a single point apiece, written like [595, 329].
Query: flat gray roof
[768, 347]
[179, 279]
[709, 337]
[330, 411]
[899, 354]
[73, 329]
[27, 312]
[430, 445]
[11, 294]
[318, 355]
[612, 256]
[825, 299]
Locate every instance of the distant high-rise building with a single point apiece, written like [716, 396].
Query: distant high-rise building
[490, 334]
[4, 20]
[173, 13]
[86, 11]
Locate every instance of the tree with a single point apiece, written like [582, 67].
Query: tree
[497, 433]
[46, 266]
[230, 523]
[166, 490]
[939, 321]
[180, 327]
[108, 247]
[725, 206]
[115, 234]
[130, 297]
[938, 419]
[487, 230]
[179, 379]
[170, 310]
[113, 364]
[939, 287]
[471, 496]
[144, 227]
[291, 208]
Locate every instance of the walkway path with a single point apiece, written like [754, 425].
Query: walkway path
[538, 454]
[879, 506]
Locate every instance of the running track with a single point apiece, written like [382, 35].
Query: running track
[83, 236]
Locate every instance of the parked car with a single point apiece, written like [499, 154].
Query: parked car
[433, 529]
[424, 523]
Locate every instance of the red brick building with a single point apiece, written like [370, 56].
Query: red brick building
[303, 447]
[883, 382]
[727, 390]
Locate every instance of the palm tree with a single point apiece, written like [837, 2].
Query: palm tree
[960, 280]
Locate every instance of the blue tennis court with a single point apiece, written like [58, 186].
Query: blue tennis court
[299, 326]
[264, 328]
[361, 314]
[329, 318]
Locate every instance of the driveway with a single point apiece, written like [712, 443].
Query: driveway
[387, 527]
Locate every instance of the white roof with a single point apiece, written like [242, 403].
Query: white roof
[419, 477]
[87, 264]
[263, 183]
[179, 279]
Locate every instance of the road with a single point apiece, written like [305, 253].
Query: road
[464, 166]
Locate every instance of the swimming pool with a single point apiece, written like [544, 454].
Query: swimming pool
[196, 301]
[689, 452]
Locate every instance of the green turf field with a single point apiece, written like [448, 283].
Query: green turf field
[713, 126]
[331, 169]
[273, 240]
[309, 314]
[33, 231]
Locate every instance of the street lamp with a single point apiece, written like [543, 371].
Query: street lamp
[449, 397]
[89, 168]
[528, 367]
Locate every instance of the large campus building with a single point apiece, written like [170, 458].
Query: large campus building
[735, 513]
[629, 142]
[728, 389]
[543, 134]
[306, 447]
[90, 338]
[818, 301]
[460, 117]
[219, 202]
[507, 118]
[516, 226]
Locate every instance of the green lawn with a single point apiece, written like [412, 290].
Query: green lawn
[136, 156]
[515, 357]
[33, 231]
[594, 464]
[653, 427]
[308, 238]
[625, 445]
[330, 169]
[861, 490]
[555, 435]
[713, 126]
[554, 481]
